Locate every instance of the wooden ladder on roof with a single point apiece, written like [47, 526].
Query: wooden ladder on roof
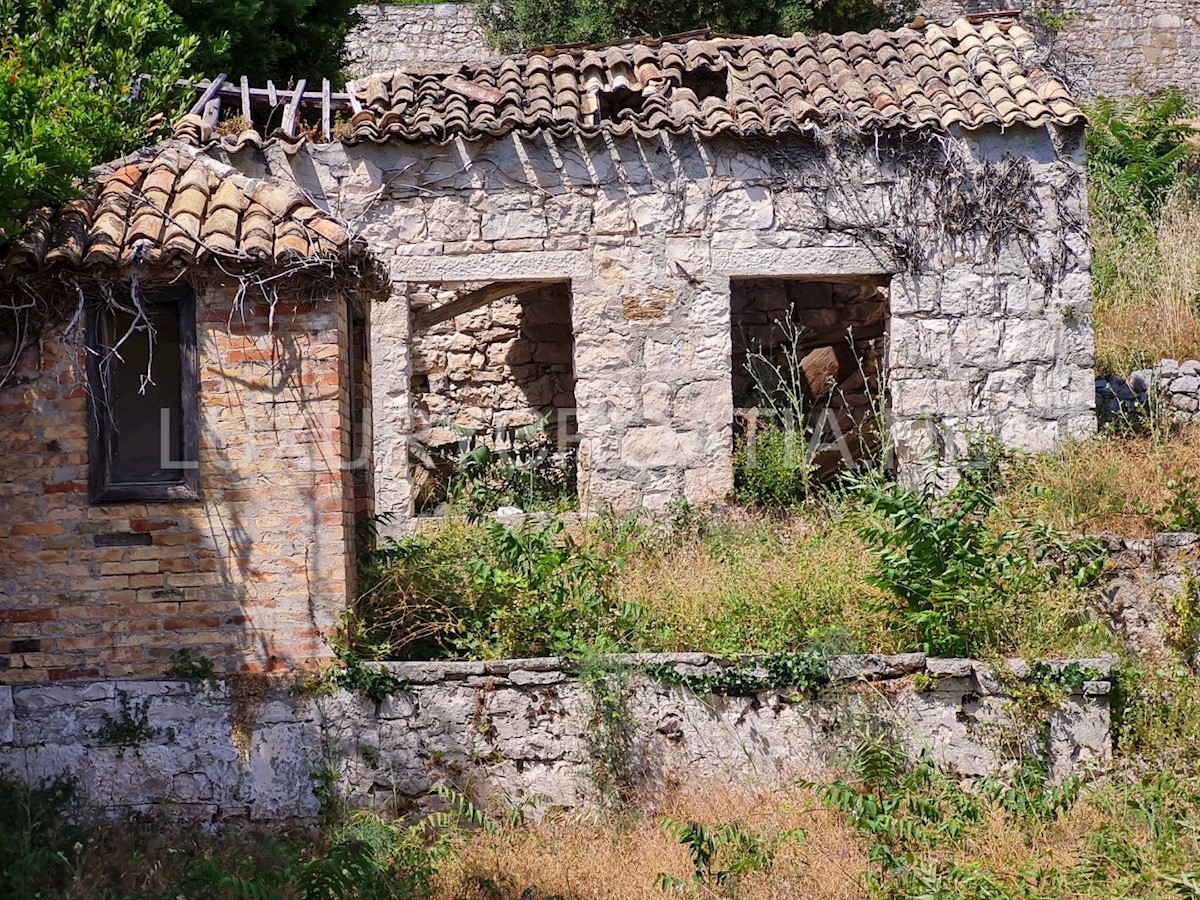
[271, 99]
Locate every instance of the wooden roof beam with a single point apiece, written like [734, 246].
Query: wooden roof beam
[431, 316]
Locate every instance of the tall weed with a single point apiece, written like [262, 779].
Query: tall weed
[964, 586]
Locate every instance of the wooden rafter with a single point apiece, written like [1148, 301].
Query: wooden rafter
[431, 316]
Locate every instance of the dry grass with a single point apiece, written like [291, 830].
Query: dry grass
[621, 856]
[1147, 292]
[1107, 484]
[754, 583]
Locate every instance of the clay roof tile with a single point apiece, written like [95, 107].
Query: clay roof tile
[908, 78]
[171, 202]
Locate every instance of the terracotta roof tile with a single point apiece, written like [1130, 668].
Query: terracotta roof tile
[939, 76]
[173, 204]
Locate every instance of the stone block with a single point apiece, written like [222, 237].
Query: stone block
[656, 446]
[6, 714]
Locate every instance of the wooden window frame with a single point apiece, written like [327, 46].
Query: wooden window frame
[103, 488]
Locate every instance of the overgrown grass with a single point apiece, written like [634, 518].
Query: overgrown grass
[747, 582]
[880, 568]
[46, 853]
[1146, 286]
[1132, 485]
[1145, 226]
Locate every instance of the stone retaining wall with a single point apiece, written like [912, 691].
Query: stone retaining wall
[414, 36]
[255, 747]
[1147, 582]
[1176, 386]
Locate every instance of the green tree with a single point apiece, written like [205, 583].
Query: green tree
[81, 82]
[513, 24]
[283, 40]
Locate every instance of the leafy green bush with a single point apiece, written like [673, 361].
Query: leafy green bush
[37, 841]
[280, 39]
[721, 855]
[962, 585]
[488, 591]
[80, 83]
[528, 471]
[773, 469]
[1137, 150]
[43, 854]
[1181, 511]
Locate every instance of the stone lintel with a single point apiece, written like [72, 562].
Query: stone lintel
[526, 265]
[803, 262]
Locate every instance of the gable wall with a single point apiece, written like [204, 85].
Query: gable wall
[252, 576]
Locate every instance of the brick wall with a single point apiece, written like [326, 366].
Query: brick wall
[252, 576]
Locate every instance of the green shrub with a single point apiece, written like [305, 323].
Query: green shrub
[962, 585]
[280, 39]
[37, 841]
[488, 591]
[517, 24]
[1137, 151]
[773, 469]
[74, 91]
[523, 468]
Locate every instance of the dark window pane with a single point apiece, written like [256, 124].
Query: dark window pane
[145, 398]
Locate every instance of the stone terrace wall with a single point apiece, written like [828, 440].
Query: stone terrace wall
[1145, 581]
[1109, 47]
[253, 574]
[1174, 385]
[650, 234]
[414, 36]
[251, 747]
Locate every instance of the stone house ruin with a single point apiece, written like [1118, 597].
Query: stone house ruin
[592, 240]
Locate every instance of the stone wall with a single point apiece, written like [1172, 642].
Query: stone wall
[1174, 386]
[1104, 47]
[1108, 48]
[253, 747]
[252, 575]
[417, 37]
[1148, 582]
[649, 235]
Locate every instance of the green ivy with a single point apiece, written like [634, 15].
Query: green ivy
[372, 682]
[804, 672]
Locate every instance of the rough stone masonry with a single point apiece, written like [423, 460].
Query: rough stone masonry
[1107, 48]
[516, 730]
[655, 237]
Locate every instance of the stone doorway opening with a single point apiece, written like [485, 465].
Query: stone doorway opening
[808, 362]
[493, 398]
